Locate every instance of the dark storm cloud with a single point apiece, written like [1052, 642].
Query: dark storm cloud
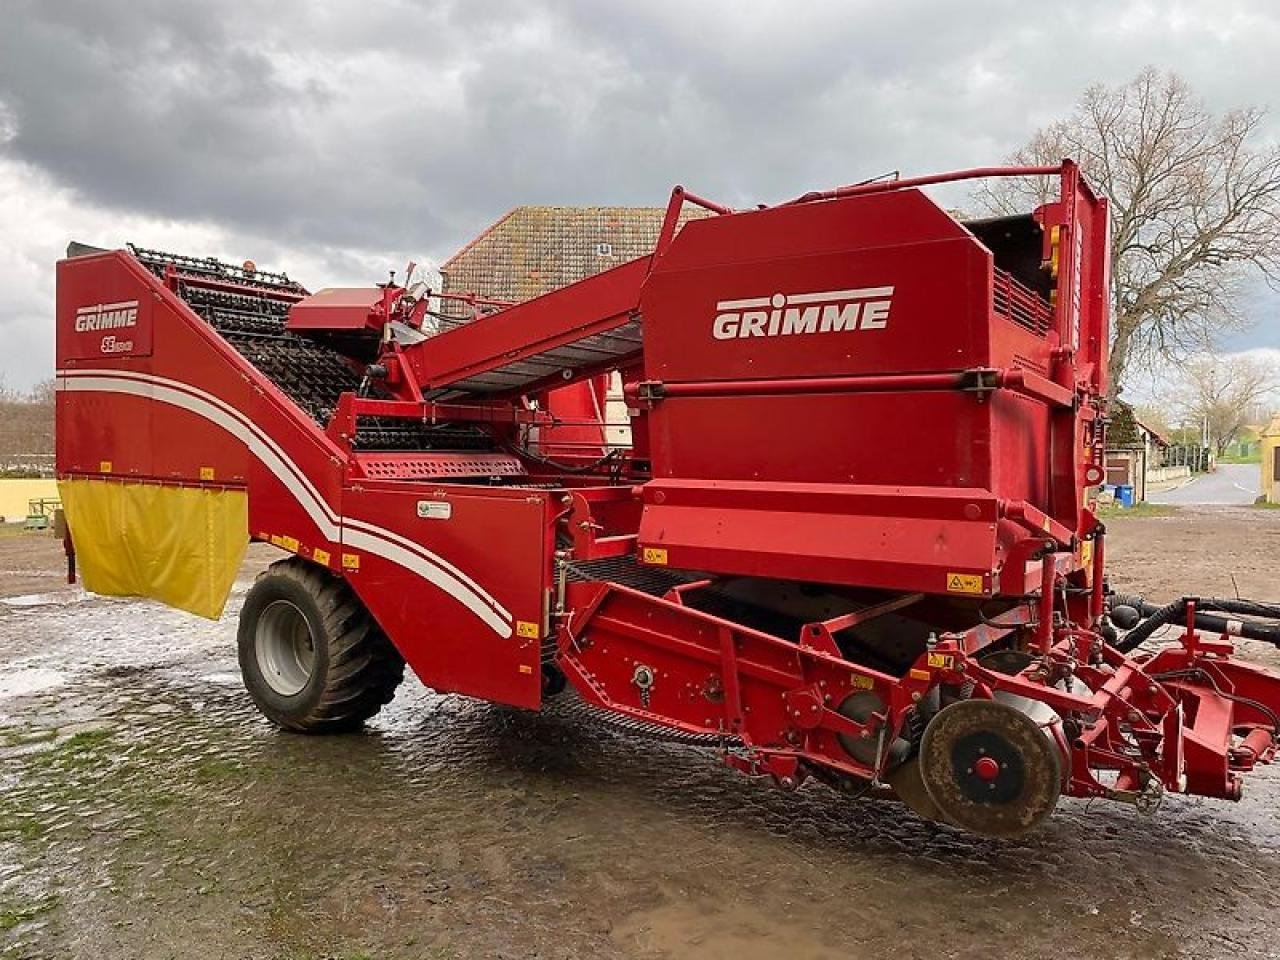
[374, 125]
[347, 135]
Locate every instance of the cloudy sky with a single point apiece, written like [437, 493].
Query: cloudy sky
[338, 139]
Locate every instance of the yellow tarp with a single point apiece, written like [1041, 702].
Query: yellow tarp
[179, 545]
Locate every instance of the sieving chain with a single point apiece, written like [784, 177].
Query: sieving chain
[312, 375]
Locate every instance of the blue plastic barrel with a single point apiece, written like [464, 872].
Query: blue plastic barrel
[1124, 493]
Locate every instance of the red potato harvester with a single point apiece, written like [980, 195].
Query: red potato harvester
[851, 536]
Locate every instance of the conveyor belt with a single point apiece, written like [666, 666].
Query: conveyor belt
[586, 328]
[610, 348]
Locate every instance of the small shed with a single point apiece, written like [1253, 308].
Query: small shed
[1134, 451]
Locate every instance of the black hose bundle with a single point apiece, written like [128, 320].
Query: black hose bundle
[1151, 618]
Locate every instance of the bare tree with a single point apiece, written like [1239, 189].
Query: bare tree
[1222, 395]
[43, 392]
[1195, 204]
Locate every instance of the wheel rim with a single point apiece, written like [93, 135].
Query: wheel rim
[285, 649]
[989, 768]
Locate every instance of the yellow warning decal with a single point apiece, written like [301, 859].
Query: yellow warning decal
[941, 661]
[207, 473]
[286, 543]
[320, 556]
[351, 561]
[527, 628]
[920, 674]
[104, 466]
[964, 583]
[656, 555]
[859, 682]
[525, 668]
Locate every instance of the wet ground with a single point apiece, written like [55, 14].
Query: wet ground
[147, 812]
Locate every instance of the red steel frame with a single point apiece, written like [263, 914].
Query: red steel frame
[733, 472]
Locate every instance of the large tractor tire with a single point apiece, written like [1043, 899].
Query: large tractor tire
[312, 657]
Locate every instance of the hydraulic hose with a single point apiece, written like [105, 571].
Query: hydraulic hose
[1208, 618]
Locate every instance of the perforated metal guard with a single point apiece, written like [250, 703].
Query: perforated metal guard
[441, 465]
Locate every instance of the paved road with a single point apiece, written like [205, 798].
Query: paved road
[1231, 484]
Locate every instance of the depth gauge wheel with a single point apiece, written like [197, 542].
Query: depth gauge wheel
[990, 769]
[312, 657]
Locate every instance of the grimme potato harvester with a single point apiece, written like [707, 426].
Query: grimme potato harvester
[851, 536]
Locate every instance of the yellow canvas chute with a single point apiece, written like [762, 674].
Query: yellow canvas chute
[179, 545]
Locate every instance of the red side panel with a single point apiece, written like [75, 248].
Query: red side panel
[338, 308]
[487, 551]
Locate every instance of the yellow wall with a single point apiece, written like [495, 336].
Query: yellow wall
[14, 495]
[1268, 442]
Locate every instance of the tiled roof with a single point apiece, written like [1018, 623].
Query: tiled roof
[533, 250]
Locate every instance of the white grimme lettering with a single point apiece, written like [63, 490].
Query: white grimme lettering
[832, 311]
[107, 316]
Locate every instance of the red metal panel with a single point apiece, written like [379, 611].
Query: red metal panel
[104, 315]
[846, 297]
[486, 542]
[899, 538]
[338, 308]
[940, 438]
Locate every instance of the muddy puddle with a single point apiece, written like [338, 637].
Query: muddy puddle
[147, 812]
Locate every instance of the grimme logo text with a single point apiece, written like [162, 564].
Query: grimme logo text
[784, 314]
[107, 316]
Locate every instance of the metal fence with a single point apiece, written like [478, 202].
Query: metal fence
[1198, 458]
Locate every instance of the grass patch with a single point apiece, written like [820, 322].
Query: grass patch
[79, 751]
[13, 827]
[10, 917]
[1113, 511]
[1266, 505]
[25, 737]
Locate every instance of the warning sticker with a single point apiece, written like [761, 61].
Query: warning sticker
[527, 628]
[320, 556]
[941, 661]
[964, 583]
[657, 555]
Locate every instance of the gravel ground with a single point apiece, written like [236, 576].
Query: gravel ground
[146, 811]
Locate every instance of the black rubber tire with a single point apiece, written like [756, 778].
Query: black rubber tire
[354, 669]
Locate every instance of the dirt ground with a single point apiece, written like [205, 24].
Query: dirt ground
[146, 811]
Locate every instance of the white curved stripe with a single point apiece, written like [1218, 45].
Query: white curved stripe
[177, 398]
[300, 477]
[350, 523]
[374, 540]
[432, 574]
[227, 409]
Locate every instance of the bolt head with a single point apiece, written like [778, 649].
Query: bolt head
[986, 769]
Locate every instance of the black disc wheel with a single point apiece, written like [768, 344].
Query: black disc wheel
[989, 769]
[312, 657]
